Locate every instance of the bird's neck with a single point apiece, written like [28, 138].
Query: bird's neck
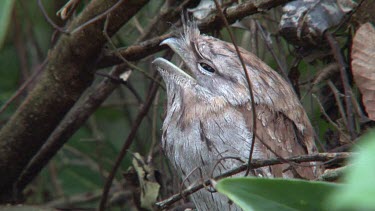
[188, 105]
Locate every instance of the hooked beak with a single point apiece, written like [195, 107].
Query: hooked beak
[173, 43]
[162, 64]
[166, 66]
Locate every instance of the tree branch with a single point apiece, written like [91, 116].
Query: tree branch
[129, 140]
[322, 157]
[68, 73]
[67, 128]
[345, 81]
[149, 47]
[80, 114]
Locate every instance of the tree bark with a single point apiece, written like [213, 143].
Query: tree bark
[70, 70]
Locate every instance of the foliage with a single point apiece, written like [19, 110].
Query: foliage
[280, 194]
[359, 192]
[6, 8]
[276, 194]
[76, 175]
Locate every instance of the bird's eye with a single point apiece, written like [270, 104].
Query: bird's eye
[206, 67]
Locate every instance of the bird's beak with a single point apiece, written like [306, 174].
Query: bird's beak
[166, 65]
[174, 44]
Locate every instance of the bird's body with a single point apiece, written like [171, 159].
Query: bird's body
[209, 117]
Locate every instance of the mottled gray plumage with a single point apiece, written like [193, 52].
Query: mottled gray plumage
[209, 115]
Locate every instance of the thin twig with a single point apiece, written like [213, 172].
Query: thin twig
[224, 158]
[219, 9]
[167, 15]
[345, 81]
[154, 136]
[267, 41]
[24, 85]
[98, 17]
[322, 75]
[151, 46]
[123, 82]
[129, 140]
[320, 157]
[78, 73]
[65, 130]
[329, 119]
[81, 198]
[28, 22]
[357, 108]
[49, 20]
[332, 174]
[337, 94]
[122, 58]
[252, 100]
[67, 10]
[53, 177]
[86, 159]
[138, 26]
[187, 179]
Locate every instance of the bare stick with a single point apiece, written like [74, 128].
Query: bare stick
[129, 64]
[67, 10]
[337, 94]
[24, 86]
[322, 157]
[329, 119]
[66, 129]
[102, 15]
[270, 49]
[49, 20]
[232, 13]
[345, 81]
[248, 82]
[129, 140]
[125, 83]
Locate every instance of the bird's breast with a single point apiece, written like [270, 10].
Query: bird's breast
[201, 140]
[207, 143]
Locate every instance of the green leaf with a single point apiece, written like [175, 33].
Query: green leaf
[276, 194]
[359, 194]
[6, 8]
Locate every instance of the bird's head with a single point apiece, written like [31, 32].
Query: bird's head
[214, 66]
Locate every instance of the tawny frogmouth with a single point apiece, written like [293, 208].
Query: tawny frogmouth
[209, 115]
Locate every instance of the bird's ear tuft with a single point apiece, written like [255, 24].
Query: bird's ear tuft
[190, 28]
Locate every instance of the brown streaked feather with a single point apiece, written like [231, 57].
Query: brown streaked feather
[271, 85]
[279, 133]
[285, 101]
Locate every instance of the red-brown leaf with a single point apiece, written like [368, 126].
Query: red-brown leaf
[363, 65]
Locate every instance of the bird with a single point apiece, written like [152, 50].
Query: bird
[209, 115]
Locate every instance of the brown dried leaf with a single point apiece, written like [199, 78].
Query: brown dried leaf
[363, 65]
[150, 188]
[304, 22]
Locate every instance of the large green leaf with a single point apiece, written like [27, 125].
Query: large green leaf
[6, 8]
[359, 194]
[276, 194]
